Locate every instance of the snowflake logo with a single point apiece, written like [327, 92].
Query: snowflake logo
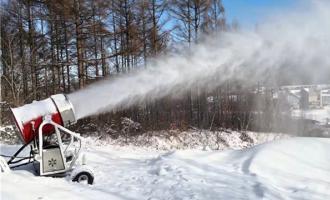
[52, 162]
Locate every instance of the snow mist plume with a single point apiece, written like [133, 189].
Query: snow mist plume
[295, 45]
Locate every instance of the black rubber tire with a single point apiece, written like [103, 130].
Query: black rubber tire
[90, 177]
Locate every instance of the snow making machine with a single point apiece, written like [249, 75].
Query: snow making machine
[54, 149]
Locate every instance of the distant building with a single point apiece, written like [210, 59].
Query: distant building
[310, 96]
[314, 97]
[286, 99]
[325, 97]
[293, 100]
[304, 99]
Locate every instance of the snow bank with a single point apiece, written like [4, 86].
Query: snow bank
[295, 168]
[191, 139]
[8, 135]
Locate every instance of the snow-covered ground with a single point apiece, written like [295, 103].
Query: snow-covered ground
[292, 168]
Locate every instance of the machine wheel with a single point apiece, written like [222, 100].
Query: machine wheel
[84, 177]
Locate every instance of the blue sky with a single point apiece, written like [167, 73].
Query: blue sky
[251, 12]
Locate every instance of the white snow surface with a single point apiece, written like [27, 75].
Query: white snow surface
[34, 110]
[292, 168]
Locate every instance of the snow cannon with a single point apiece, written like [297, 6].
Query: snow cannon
[29, 117]
[54, 149]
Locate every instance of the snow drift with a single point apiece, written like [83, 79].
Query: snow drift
[295, 168]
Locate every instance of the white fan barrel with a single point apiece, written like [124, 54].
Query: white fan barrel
[55, 149]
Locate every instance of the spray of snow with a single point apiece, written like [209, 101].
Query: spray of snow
[288, 44]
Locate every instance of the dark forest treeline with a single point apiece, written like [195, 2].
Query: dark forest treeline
[58, 46]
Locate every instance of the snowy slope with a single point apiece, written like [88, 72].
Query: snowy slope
[295, 168]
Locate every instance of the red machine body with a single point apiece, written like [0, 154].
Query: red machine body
[30, 129]
[29, 117]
